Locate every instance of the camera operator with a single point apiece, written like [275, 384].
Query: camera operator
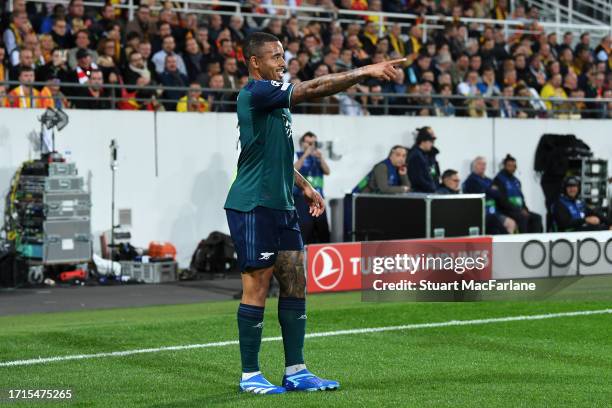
[389, 176]
[570, 213]
[312, 165]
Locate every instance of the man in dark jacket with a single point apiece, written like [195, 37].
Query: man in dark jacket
[423, 169]
[450, 183]
[511, 200]
[388, 176]
[571, 214]
[478, 183]
[172, 77]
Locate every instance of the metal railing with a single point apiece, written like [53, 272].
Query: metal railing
[391, 103]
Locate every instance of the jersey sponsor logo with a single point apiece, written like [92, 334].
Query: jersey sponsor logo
[328, 268]
[265, 256]
[276, 83]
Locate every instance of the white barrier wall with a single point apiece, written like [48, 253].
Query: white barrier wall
[176, 187]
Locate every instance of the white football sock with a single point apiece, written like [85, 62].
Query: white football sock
[248, 376]
[294, 369]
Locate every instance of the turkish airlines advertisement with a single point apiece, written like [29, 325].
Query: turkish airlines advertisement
[356, 266]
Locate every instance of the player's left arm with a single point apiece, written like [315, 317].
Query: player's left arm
[316, 204]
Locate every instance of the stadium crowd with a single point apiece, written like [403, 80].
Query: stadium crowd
[461, 70]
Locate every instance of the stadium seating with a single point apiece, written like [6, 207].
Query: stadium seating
[463, 59]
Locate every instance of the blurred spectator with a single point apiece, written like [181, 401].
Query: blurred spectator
[237, 29]
[144, 48]
[76, 17]
[595, 90]
[142, 23]
[92, 96]
[293, 68]
[511, 201]
[107, 17]
[349, 104]
[25, 95]
[450, 183]
[15, 33]
[212, 68]
[137, 75]
[425, 100]
[469, 87]
[507, 106]
[83, 70]
[487, 86]
[56, 68]
[59, 12]
[376, 102]
[60, 34]
[131, 43]
[218, 100]
[415, 71]
[477, 108]
[230, 73]
[4, 100]
[172, 77]
[46, 46]
[388, 176]
[159, 59]
[571, 214]
[26, 59]
[553, 94]
[194, 59]
[422, 167]
[82, 41]
[460, 69]
[51, 96]
[443, 105]
[193, 101]
[4, 73]
[479, 183]
[536, 74]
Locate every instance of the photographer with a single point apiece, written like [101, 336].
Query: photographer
[312, 165]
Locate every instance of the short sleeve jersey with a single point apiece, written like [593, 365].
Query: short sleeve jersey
[265, 166]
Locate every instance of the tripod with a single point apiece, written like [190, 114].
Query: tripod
[114, 146]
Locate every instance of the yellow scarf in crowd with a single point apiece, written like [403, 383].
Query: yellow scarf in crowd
[397, 44]
[372, 37]
[18, 39]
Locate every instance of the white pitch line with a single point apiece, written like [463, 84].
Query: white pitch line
[415, 326]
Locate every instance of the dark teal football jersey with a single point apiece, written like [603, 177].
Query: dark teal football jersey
[265, 167]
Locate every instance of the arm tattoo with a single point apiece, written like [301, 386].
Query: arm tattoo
[300, 181]
[326, 85]
[289, 271]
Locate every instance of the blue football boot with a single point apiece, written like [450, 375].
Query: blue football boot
[304, 380]
[259, 385]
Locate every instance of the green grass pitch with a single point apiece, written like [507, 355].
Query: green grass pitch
[559, 362]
